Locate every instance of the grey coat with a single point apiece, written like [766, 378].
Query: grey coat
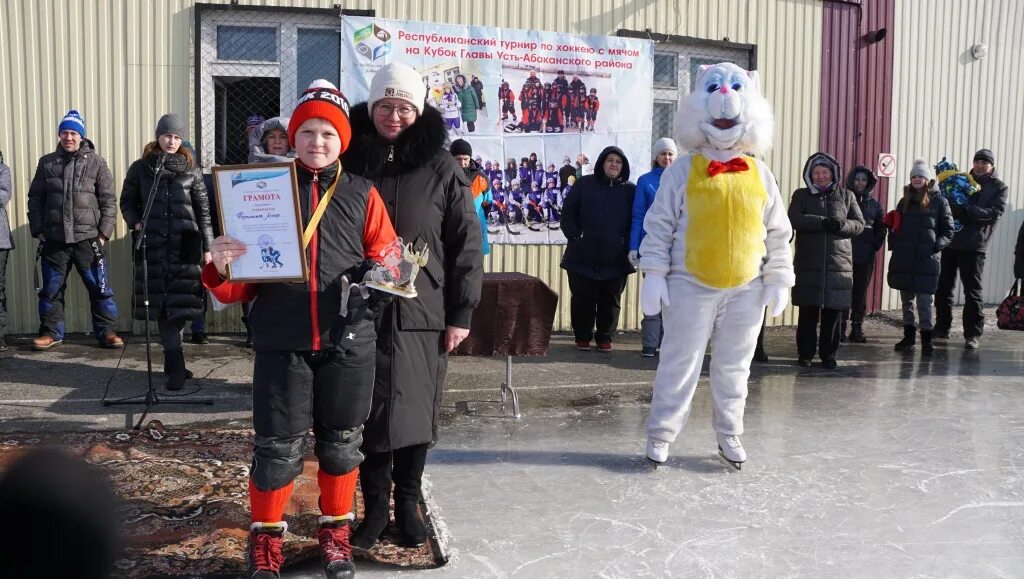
[6, 239]
[71, 197]
[824, 259]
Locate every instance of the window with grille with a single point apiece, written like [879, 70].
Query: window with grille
[247, 43]
[319, 56]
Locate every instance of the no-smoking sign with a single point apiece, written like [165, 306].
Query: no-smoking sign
[886, 165]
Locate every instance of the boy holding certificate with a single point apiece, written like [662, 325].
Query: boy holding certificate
[314, 342]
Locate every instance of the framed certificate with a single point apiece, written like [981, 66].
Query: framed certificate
[259, 206]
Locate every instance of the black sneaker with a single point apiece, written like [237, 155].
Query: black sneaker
[829, 364]
[199, 338]
[648, 351]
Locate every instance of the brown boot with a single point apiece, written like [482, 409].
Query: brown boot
[111, 340]
[45, 342]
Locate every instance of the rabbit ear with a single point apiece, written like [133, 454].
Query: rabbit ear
[755, 79]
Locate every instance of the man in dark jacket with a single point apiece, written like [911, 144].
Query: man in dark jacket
[71, 211]
[861, 182]
[825, 217]
[967, 252]
[596, 217]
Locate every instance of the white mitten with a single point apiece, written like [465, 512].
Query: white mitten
[653, 294]
[634, 258]
[776, 298]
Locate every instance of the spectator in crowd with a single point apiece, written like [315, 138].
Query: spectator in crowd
[583, 166]
[966, 253]
[400, 145]
[469, 101]
[646, 187]
[178, 236]
[825, 217]
[922, 226]
[314, 364]
[268, 143]
[72, 210]
[861, 182]
[6, 245]
[596, 219]
[479, 185]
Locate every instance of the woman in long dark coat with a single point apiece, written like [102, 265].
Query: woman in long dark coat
[178, 239]
[399, 144]
[825, 217]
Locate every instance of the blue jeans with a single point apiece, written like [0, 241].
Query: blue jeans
[90, 259]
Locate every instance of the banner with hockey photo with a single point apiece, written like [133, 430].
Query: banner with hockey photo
[537, 107]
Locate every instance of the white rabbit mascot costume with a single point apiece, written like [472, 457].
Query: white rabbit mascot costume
[715, 254]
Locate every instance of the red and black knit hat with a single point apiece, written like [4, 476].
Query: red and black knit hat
[322, 100]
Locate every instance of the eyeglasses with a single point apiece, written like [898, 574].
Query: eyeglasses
[385, 110]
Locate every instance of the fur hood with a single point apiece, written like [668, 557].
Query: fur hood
[872, 180]
[418, 145]
[822, 159]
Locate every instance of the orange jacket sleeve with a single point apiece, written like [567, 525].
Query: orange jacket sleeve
[378, 231]
[225, 291]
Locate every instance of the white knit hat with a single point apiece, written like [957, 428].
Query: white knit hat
[400, 81]
[665, 144]
[919, 168]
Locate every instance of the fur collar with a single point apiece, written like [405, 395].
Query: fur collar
[417, 146]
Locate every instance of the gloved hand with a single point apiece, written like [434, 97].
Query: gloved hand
[634, 258]
[833, 224]
[776, 298]
[654, 295]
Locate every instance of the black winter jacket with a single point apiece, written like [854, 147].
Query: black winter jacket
[867, 244]
[916, 249]
[824, 259]
[178, 233]
[428, 198]
[71, 197]
[303, 317]
[979, 218]
[596, 217]
[1018, 262]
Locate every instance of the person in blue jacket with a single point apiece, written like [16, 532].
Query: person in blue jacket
[646, 187]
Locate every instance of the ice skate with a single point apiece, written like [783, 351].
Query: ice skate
[657, 451]
[731, 451]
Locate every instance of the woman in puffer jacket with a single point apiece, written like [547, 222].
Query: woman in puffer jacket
[178, 238]
[921, 227]
[825, 217]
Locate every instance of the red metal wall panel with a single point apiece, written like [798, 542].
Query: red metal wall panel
[856, 94]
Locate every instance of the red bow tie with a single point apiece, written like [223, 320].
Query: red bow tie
[731, 166]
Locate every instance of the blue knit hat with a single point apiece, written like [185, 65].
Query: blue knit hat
[72, 121]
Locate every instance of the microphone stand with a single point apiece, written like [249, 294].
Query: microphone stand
[151, 398]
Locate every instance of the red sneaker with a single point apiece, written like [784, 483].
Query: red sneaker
[604, 347]
[265, 557]
[335, 549]
[583, 345]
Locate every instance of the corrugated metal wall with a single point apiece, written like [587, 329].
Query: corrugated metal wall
[946, 103]
[128, 62]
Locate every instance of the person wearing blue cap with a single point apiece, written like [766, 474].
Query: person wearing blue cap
[72, 210]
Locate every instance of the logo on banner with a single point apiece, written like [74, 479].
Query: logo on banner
[372, 42]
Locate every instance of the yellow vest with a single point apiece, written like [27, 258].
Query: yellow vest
[725, 225]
